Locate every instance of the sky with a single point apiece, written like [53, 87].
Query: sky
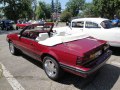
[63, 2]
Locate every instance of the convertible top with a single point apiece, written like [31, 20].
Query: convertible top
[52, 41]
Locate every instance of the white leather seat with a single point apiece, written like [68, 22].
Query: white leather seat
[42, 36]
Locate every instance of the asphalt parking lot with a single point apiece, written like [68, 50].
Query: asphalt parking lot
[24, 73]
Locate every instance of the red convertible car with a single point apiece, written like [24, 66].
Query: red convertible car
[21, 26]
[79, 54]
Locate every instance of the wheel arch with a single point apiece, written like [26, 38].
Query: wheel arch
[47, 54]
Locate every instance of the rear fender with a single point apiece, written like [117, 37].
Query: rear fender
[49, 53]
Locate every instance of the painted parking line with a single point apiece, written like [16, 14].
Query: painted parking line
[115, 63]
[1, 71]
[10, 78]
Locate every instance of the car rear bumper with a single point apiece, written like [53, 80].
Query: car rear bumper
[114, 43]
[99, 63]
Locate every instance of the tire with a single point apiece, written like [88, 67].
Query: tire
[52, 68]
[13, 49]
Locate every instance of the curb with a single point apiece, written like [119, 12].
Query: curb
[1, 71]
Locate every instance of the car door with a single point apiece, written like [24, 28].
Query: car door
[94, 29]
[30, 46]
[26, 44]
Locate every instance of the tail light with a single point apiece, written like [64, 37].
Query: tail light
[81, 60]
[88, 58]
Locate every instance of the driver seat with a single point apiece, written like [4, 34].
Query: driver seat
[42, 36]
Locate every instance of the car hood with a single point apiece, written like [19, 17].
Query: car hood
[84, 45]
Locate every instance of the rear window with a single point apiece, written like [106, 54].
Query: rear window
[106, 24]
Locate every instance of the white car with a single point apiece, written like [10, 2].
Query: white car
[99, 28]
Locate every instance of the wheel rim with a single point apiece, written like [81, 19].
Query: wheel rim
[50, 68]
[11, 48]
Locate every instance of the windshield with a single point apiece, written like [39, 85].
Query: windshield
[37, 28]
[106, 24]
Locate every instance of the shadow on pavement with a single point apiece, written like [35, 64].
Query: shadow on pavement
[36, 62]
[115, 50]
[102, 80]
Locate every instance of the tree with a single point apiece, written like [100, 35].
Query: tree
[26, 10]
[43, 10]
[74, 6]
[48, 11]
[65, 16]
[106, 8]
[52, 6]
[87, 11]
[59, 7]
[13, 10]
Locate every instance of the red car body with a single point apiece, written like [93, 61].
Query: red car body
[19, 25]
[22, 25]
[78, 57]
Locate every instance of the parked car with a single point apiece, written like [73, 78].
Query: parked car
[21, 24]
[6, 25]
[79, 54]
[0, 25]
[99, 28]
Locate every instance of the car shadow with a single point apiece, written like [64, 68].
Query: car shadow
[102, 80]
[115, 51]
[35, 62]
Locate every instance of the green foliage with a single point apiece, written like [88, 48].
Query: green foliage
[88, 10]
[15, 9]
[48, 11]
[52, 6]
[106, 8]
[65, 16]
[59, 7]
[43, 10]
[26, 9]
[39, 11]
[74, 6]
